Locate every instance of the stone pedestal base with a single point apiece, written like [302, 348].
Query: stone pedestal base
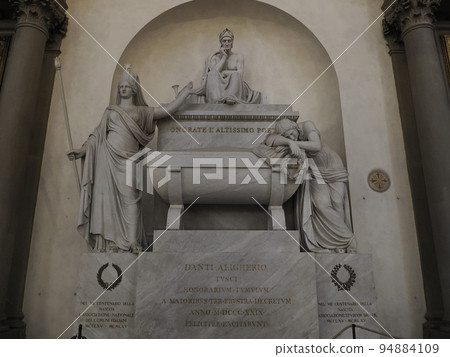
[222, 284]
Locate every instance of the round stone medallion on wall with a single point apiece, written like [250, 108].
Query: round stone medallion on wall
[379, 180]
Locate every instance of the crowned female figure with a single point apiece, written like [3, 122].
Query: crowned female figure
[110, 216]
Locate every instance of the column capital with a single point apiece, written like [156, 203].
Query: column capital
[393, 38]
[44, 15]
[403, 15]
[56, 36]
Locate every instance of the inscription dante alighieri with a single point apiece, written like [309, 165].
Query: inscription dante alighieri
[238, 306]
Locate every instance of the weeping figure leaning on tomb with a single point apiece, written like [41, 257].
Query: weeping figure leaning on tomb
[323, 209]
[110, 216]
[223, 79]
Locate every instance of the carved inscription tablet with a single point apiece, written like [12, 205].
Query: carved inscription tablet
[226, 295]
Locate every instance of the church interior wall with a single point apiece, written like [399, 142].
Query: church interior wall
[286, 46]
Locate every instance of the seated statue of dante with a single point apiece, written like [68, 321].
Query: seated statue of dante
[223, 79]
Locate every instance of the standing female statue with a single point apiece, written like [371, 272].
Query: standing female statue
[110, 216]
[223, 80]
[323, 209]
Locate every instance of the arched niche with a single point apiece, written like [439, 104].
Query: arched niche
[282, 58]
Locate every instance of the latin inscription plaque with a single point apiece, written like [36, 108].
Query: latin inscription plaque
[106, 300]
[226, 295]
[346, 295]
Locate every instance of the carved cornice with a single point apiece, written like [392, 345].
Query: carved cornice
[45, 15]
[405, 14]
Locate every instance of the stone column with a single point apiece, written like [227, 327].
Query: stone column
[18, 100]
[430, 272]
[413, 20]
[29, 192]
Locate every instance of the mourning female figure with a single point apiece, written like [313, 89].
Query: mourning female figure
[323, 209]
[110, 216]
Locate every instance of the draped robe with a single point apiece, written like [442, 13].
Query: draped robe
[322, 207]
[110, 211]
[217, 87]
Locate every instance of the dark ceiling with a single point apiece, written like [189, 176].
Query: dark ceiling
[5, 10]
[443, 13]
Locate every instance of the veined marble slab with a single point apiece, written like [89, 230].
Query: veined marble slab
[226, 295]
[112, 313]
[226, 241]
[226, 284]
[350, 300]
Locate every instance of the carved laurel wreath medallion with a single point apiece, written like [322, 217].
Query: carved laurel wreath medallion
[115, 283]
[341, 285]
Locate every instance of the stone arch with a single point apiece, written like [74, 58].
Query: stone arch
[282, 57]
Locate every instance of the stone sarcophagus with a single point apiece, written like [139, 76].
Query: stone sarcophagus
[202, 165]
